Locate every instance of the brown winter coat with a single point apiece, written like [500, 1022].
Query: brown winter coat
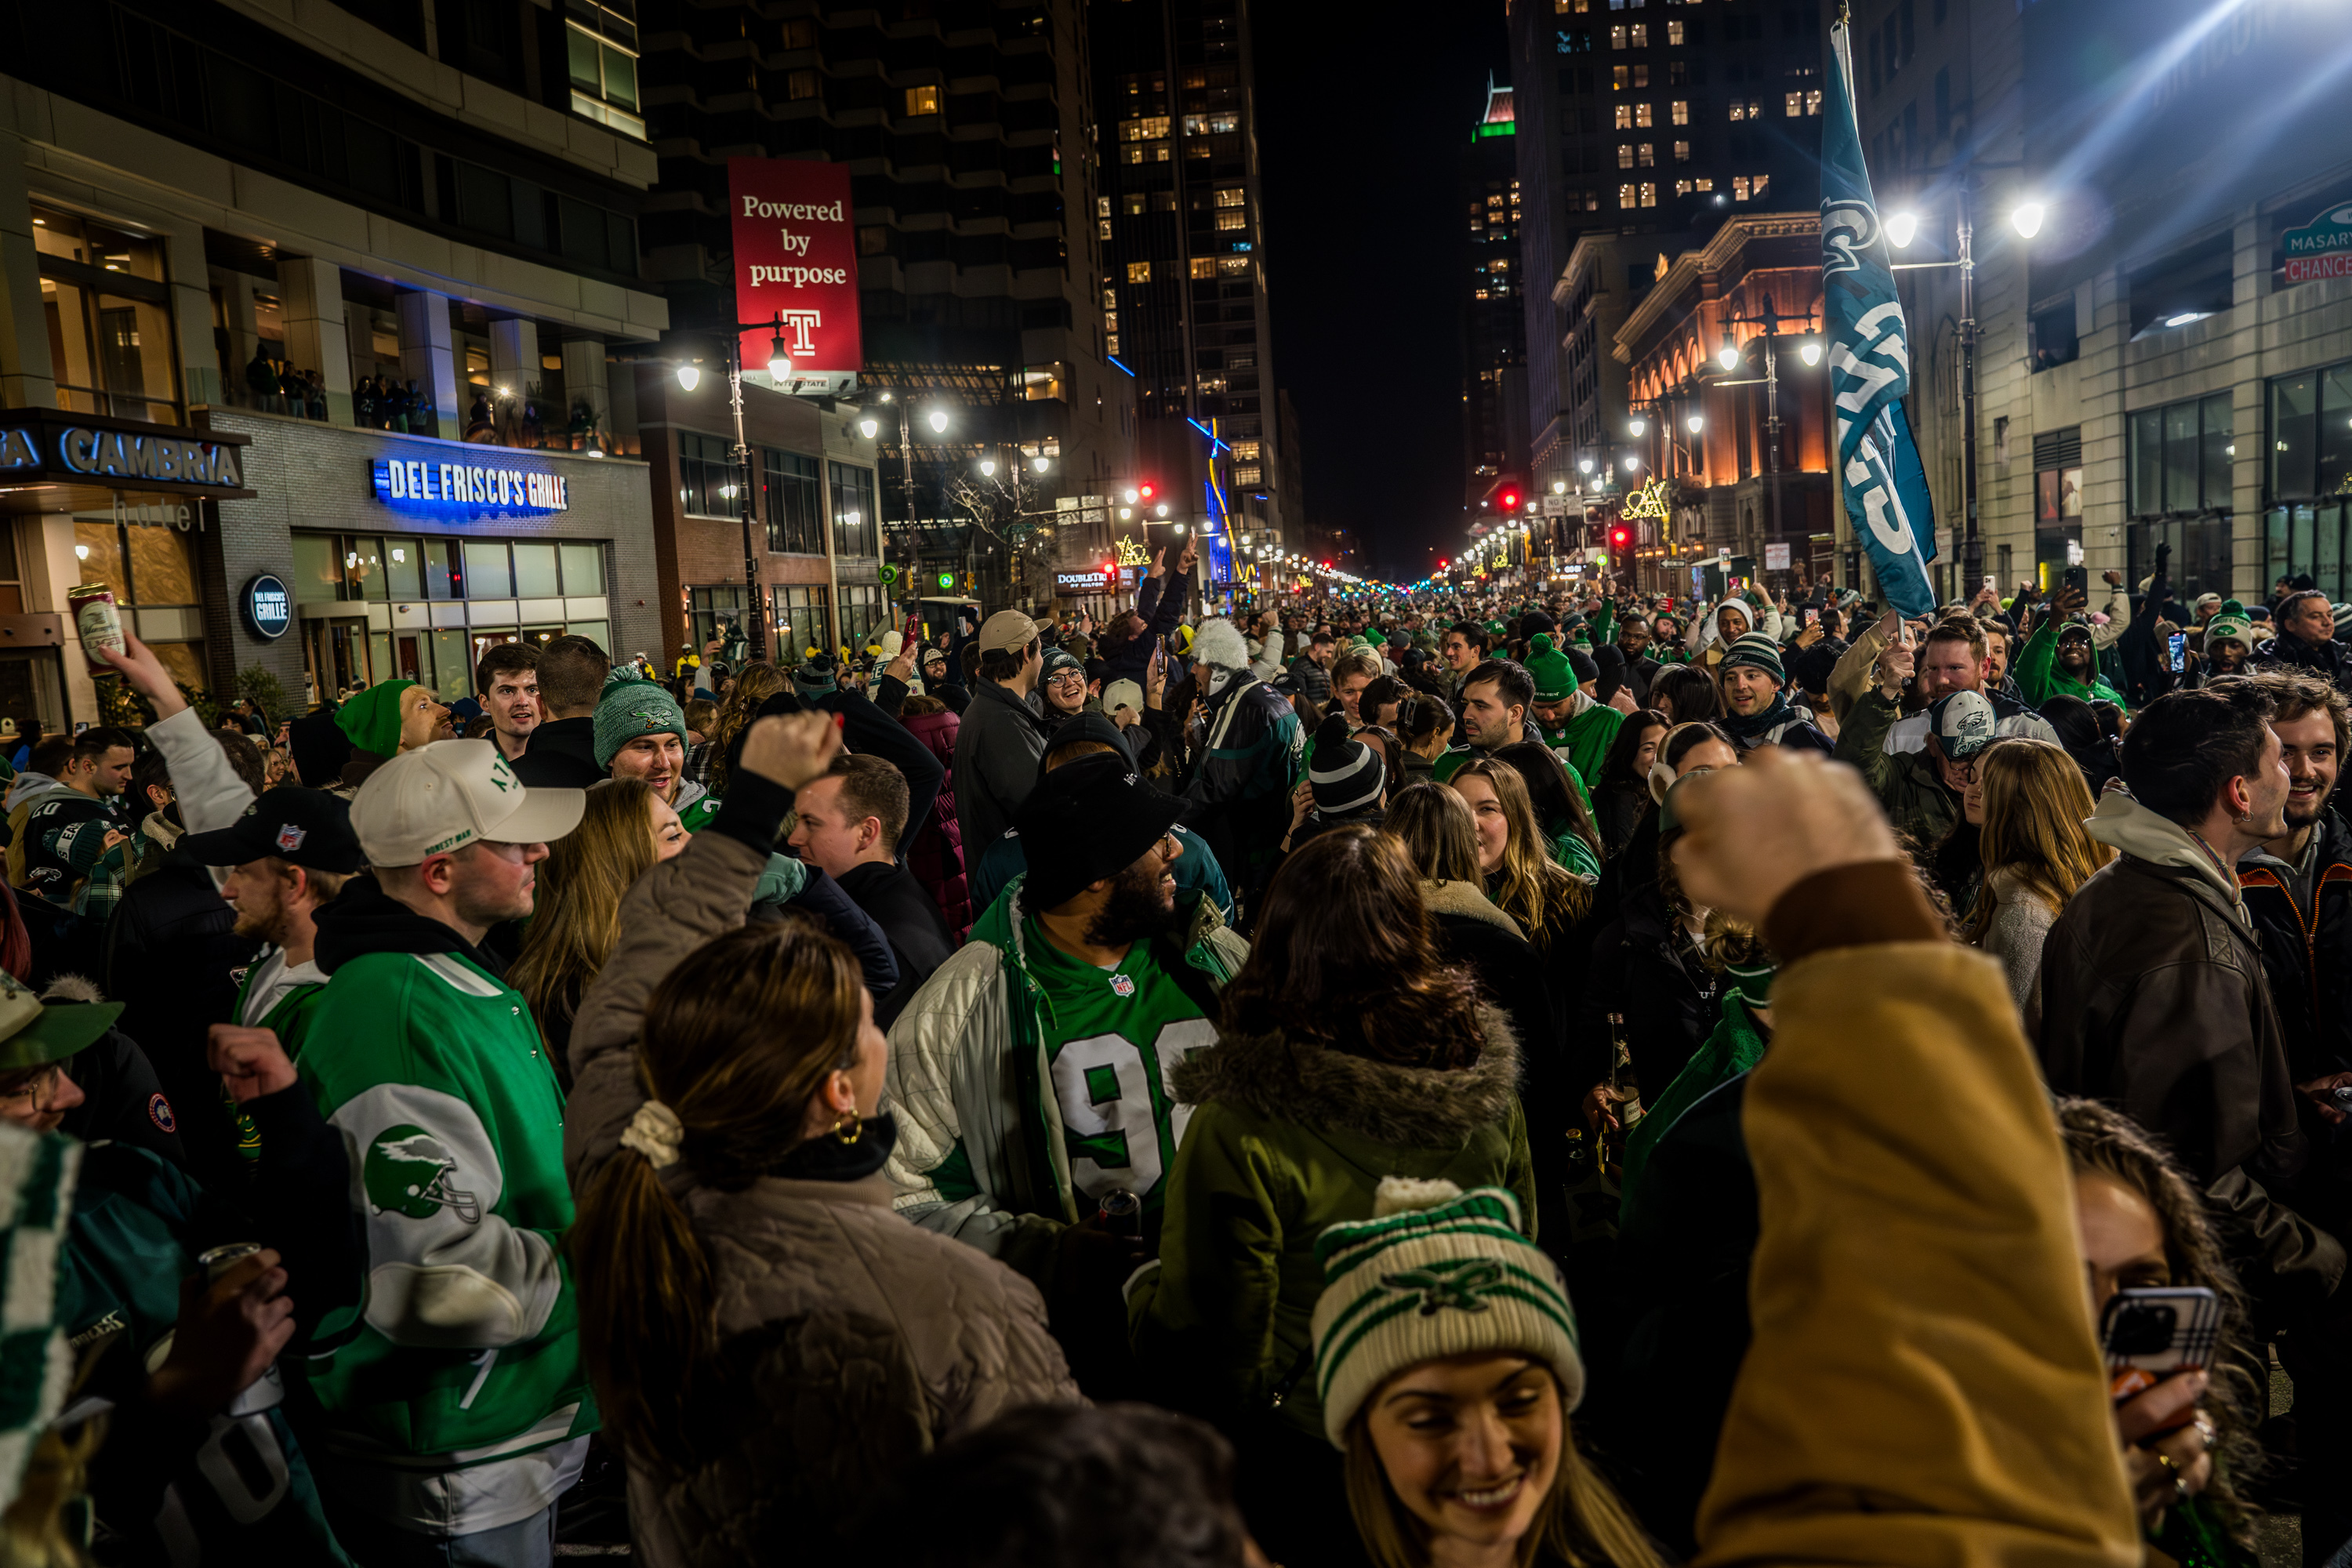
[857, 1342]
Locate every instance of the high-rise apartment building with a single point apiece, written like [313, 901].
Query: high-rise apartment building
[1495, 316]
[966, 128]
[1648, 119]
[1184, 281]
[307, 337]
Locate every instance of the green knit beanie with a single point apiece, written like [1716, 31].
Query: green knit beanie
[1555, 677]
[1435, 1272]
[372, 717]
[633, 707]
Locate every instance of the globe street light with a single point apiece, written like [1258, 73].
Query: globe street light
[1637, 426]
[1039, 463]
[1809, 351]
[2027, 218]
[988, 468]
[780, 359]
[870, 427]
[1694, 424]
[689, 377]
[1727, 357]
[1902, 228]
[939, 421]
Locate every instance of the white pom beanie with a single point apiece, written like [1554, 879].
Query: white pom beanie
[1435, 1272]
[1219, 645]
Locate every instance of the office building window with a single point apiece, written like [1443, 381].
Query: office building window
[110, 312]
[2181, 457]
[1674, 34]
[1139, 272]
[1620, 77]
[1682, 152]
[1645, 157]
[1641, 116]
[1680, 113]
[1229, 221]
[794, 503]
[1648, 194]
[874, 239]
[1641, 75]
[1796, 104]
[1625, 154]
[1814, 101]
[1629, 196]
[1617, 37]
[799, 84]
[865, 616]
[1641, 35]
[1232, 265]
[600, 37]
[1204, 267]
[1231, 196]
[854, 530]
[922, 100]
[2311, 434]
[706, 473]
[1624, 117]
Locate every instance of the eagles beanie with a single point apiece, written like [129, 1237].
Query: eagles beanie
[1345, 775]
[1555, 677]
[1758, 652]
[1435, 1272]
[633, 707]
[372, 717]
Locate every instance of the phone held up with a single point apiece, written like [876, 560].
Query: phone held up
[2077, 578]
[2149, 1333]
[2175, 652]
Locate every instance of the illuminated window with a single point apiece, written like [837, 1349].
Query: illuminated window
[1617, 37]
[1682, 153]
[873, 240]
[1680, 112]
[1738, 111]
[1233, 266]
[799, 84]
[1102, 226]
[1113, 340]
[1139, 272]
[1204, 267]
[1738, 187]
[1641, 75]
[1163, 201]
[1681, 187]
[1649, 195]
[1625, 154]
[1755, 110]
[1133, 202]
[1102, 207]
[1234, 196]
[1647, 159]
[1248, 475]
[1641, 35]
[1641, 115]
[1629, 196]
[1624, 117]
[1110, 320]
[1704, 183]
[1674, 33]
[1814, 101]
[1110, 298]
[1245, 452]
[1143, 130]
[1619, 76]
[604, 66]
[922, 100]
[1478, 293]
[1796, 104]
[1232, 220]
[1756, 187]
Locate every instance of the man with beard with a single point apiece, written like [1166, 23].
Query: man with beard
[2306, 639]
[2060, 660]
[1957, 657]
[1029, 1071]
[2229, 642]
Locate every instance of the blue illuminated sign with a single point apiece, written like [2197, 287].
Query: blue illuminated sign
[465, 491]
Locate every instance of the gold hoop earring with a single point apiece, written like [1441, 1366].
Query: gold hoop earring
[848, 1127]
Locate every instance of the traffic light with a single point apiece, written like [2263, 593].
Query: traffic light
[1146, 489]
[1510, 501]
[1620, 549]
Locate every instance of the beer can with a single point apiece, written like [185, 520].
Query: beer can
[1121, 1212]
[219, 1261]
[98, 620]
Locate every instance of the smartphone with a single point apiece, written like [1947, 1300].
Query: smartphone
[2156, 1331]
[1812, 614]
[2177, 651]
[79, 725]
[2078, 577]
[1988, 585]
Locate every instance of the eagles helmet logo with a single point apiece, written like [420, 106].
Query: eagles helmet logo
[408, 1172]
[1461, 1284]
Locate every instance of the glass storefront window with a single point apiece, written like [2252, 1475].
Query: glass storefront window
[443, 577]
[583, 569]
[801, 622]
[317, 573]
[453, 670]
[364, 569]
[487, 575]
[403, 569]
[163, 566]
[98, 547]
[597, 632]
[534, 572]
[854, 530]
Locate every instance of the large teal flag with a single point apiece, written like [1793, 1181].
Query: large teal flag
[1870, 362]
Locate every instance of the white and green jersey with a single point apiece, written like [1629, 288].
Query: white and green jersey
[1112, 1040]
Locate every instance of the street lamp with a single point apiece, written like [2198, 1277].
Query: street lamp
[1585, 465]
[689, 377]
[1559, 487]
[779, 359]
[988, 468]
[870, 427]
[1727, 357]
[1637, 426]
[1694, 424]
[2027, 216]
[939, 419]
[1809, 351]
[1902, 228]
[1039, 464]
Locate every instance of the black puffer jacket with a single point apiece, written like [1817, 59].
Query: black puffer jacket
[1645, 968]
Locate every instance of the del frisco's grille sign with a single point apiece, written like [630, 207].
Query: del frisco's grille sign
[466, 491]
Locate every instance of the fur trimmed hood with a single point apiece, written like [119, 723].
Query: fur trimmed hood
[1465, 898]
[1332, 1092]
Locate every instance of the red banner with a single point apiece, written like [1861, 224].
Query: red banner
[796, 269]
[2310, 268]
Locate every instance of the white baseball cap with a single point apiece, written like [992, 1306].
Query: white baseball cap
[443, 796]
[1121, 694]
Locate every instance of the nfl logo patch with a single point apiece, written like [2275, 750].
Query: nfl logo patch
[289, 837]
[1122, 986]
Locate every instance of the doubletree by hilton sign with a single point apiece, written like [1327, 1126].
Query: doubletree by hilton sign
[52, 446]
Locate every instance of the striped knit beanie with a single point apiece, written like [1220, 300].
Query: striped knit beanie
[1435, 1272]
[630, 709]
[1344, 775]
[1759, 652]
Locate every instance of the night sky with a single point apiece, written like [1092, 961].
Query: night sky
[1364, 113]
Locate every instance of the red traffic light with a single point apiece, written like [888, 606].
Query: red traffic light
[1620, 535]
[1510, 501]
[1146, 489]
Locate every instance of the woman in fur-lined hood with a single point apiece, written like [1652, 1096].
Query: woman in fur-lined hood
[1349, 1051]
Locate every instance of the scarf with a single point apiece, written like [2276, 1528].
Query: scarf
[1755, 724]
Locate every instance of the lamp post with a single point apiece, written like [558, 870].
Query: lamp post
[938, 423]
[780, 365]
[1771, 322]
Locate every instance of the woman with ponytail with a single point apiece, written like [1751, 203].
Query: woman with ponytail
[770, 1341]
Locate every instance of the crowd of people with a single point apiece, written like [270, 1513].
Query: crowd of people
[1480, 1079]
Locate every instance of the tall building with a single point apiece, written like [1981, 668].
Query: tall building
[1495, 316]
[309, 316]
[2165, 357]
[966, 129]
[1648, 119]
[1184, 275]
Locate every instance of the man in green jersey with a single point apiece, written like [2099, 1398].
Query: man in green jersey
[1030, 1073]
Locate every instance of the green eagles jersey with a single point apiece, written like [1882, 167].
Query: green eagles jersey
[1113, 1039]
